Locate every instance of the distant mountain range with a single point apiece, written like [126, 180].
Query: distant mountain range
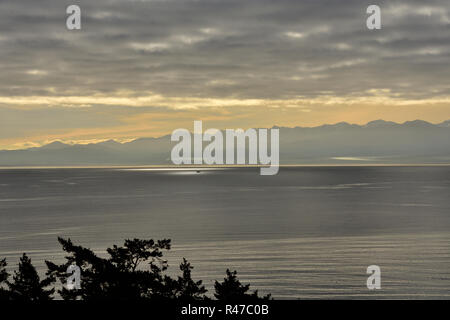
[377, 142]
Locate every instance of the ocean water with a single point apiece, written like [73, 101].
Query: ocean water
[306, 233]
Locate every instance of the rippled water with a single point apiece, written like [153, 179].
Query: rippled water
[309, 232]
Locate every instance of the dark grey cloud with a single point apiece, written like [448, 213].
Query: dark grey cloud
[240, 49]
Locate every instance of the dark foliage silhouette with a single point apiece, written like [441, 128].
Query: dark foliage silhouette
[232, 289]
[119, 276]
[4, 294]
[134, 271]
[186, 287]
[27, 285]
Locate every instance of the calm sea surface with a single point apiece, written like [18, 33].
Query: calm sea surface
[308, 232]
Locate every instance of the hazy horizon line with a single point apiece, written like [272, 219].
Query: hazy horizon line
[225, 166]
[121, 141]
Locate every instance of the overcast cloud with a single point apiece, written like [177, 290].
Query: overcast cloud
[223, 50]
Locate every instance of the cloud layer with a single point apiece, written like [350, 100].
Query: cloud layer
[170, 55]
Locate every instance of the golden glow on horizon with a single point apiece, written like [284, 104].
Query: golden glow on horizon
[180, 112]
[374, 97]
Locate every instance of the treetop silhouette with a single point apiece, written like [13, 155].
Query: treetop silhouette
[134, 271]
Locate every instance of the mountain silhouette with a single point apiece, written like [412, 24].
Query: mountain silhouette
[377, 142]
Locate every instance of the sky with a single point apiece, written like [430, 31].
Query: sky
[142, 68]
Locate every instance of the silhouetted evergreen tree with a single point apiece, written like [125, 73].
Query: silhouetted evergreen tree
[27, 285]
[232, 289]
[188, 288]
[136, 251]
[134, 271]
[4, 294]
[3, 274]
